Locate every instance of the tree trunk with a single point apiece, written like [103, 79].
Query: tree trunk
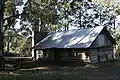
[33, 44]
[1, 35]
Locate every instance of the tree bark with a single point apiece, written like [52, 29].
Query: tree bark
[1, 35]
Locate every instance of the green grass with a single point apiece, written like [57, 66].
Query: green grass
[104, 71]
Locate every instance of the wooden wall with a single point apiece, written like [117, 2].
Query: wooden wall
[73, 55]
[102, 40]
[101, 54]
[93, 55]
[66, 55]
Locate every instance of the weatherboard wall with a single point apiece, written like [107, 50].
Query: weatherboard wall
[102, 40]
[101, 54]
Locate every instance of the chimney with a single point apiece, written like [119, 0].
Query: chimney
[37, 37]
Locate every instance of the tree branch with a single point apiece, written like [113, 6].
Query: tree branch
[14, 16]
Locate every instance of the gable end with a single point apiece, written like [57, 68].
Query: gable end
[103, 39]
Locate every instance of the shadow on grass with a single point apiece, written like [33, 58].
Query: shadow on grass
[109, 70]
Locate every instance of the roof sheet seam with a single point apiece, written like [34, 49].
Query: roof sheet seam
[86, 35]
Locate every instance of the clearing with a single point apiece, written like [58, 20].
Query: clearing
[109, 70]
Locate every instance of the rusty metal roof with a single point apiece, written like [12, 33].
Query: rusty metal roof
[79, 38]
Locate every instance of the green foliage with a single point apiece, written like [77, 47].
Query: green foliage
[83, 14]
[41, 10]
[9, 7]
[17, 43]
[114, 4]
[116, 34]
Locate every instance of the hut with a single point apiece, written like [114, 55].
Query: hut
[91, 45]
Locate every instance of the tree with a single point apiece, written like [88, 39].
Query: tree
[39, 16]
[17, 42]
[46, 15]
[82, 14]
[113, 4]
[10, 20]
[39, 13]
[1, 35]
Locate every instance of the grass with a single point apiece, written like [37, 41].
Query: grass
[104, 71]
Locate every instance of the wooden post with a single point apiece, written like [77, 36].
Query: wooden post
[99, 58]
[35, 56]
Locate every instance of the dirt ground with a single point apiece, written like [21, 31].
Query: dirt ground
[109, 70]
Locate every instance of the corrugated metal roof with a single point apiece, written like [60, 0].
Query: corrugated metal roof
[80, 38]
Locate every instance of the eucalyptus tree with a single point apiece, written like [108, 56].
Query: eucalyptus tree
[1, 34]
[84, 14]
[113, 4]
[11, 34]
[39, 13]
[45, 15]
